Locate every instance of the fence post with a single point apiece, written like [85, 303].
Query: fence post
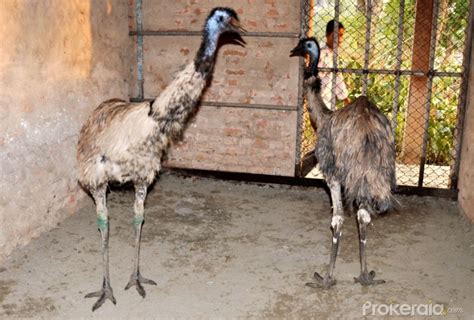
[414, 130]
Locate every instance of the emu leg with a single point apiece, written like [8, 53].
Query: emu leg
[99, 196]
[366, 278]
[136, 279]
[336, 225]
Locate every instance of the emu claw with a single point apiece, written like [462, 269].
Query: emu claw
[137, 280]
[104, 294]
[367, 279]
[325, 283]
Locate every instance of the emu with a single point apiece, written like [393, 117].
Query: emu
[356, 151]
[124, 142]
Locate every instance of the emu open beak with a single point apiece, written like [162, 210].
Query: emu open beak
[298, 51]
[236, 26]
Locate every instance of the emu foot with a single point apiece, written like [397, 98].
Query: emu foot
[104, 294]
[367, 279]
[325, 283]
[136, 280]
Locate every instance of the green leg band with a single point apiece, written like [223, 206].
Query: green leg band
[102, 223]
[137, 221]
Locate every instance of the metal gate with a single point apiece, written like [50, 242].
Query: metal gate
[409, 57]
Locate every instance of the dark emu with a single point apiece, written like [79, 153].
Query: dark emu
[124, 142]
[355, 150]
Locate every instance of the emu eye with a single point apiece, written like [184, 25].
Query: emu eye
[220, 18]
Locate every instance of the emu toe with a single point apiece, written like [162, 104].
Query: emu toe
[136, 280]
[367, 279]
[322, 282]
[104, 294]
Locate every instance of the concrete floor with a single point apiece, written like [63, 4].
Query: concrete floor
[232, 250]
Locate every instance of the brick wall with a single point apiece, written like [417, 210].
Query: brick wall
[238, 140]
[247, 122]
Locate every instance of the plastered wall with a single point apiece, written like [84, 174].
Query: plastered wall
[466, 172]
[58, 60]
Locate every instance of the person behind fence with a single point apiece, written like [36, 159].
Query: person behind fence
[326, 61]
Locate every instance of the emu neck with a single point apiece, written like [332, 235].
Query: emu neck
[178, 102]
[204, 61]
[313, 68]
[318, 112]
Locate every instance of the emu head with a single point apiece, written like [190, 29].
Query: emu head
[222, 20]
[308, 47]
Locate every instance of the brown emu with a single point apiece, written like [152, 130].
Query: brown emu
[124, 142]
[355, 150]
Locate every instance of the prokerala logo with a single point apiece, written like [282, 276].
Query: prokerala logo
[394, 309]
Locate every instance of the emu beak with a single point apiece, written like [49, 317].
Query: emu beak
[238, 40]
[299, 51]
[236, 26]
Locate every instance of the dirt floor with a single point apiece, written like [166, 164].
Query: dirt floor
[222, 249]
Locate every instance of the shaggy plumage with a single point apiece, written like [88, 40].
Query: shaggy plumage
[356, 150]
[124, 142]
[355, 147]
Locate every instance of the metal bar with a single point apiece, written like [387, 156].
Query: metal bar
[175, 33]
[139, 21]
[447, 74]
[396, 96]
[415, 73]
[250, 106]
[300, 103]
[335, 53]
[235, 105]
[461, 109]
[365, 76]
[434, 31]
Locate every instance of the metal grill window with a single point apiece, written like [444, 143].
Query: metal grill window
[408, 57]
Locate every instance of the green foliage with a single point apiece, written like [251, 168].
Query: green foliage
[442, 121]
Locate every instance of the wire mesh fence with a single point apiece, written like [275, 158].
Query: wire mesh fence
[407, 56]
